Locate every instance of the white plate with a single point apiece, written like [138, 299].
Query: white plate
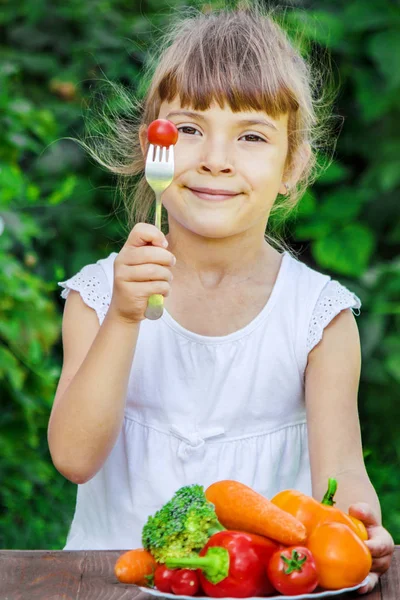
[325, 594]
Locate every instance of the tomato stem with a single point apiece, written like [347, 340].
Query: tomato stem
[294, 563]
[328, 498]
[150, 579]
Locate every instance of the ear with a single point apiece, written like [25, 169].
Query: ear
[143, 139]
[299, 162]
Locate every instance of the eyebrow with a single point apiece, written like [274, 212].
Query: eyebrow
[245, 122]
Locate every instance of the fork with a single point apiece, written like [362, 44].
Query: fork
[159, 173]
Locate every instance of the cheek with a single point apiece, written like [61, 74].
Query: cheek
[173, 197]
[263, 176]
[187, 147]
[262, 166]
[185, 161]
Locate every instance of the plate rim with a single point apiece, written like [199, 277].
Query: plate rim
[322, 594]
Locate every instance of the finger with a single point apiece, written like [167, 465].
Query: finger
[368, 587]
[145, 233]
[146, 272]
[381, 545]
[144, 289]
[147, 254]
[381, 565]
[364, 512]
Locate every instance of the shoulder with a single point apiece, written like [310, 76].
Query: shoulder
[321, 285]
[107, 264]
[304, 285]
[340, 341]
[333, 299]
[102, 267]
[327, 296]
[316, 300]
[94, 283]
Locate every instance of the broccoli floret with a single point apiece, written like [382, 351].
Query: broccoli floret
[182, 526]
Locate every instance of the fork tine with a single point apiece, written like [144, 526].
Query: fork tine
[157, 154]
[150, 154]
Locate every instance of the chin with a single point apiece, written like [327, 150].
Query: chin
[212, 230]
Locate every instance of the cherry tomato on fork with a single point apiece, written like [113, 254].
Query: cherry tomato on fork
[162, 133]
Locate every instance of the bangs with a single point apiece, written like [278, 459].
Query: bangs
[230, 66]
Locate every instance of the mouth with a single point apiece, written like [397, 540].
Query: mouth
[215, 195]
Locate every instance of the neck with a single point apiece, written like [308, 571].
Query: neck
[219, 261]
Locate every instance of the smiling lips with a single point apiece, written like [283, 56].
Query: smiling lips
[213, 194]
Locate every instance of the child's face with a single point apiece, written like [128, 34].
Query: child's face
[217, 150]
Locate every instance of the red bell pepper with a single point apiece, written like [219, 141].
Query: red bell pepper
[233, 564]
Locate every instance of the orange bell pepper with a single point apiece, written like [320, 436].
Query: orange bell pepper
[312, 513]
[342, 559]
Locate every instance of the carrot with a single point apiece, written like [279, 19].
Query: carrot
[134, 565]
[239, 507]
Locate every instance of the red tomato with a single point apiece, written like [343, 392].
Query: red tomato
[185, 582]
[163, 578]
[293, 571]
[162, 133]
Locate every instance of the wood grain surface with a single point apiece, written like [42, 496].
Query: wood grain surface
[89, 575]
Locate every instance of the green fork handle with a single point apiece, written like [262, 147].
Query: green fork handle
[155, 303]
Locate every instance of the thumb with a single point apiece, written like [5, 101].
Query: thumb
[363, 512]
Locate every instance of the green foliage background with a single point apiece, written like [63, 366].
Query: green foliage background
[57, 210]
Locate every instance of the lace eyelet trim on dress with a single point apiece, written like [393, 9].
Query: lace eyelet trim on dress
[91, 282]
[333, 299]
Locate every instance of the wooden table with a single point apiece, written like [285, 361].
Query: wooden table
[88, 575]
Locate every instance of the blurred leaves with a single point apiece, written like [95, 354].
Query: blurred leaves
[56, 208]
[347, 250]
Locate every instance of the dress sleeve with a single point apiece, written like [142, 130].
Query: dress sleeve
[92, 284]
[332, 300]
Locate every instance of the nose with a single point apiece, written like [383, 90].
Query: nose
[216, 160]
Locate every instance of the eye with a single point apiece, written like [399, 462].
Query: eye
[255, 138]
[187, 129]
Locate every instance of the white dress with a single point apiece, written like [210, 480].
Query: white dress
[200, 409]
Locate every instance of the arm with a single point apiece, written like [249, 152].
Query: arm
[88, 408]
[331, 389]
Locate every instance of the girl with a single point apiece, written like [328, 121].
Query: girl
[252, 372]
